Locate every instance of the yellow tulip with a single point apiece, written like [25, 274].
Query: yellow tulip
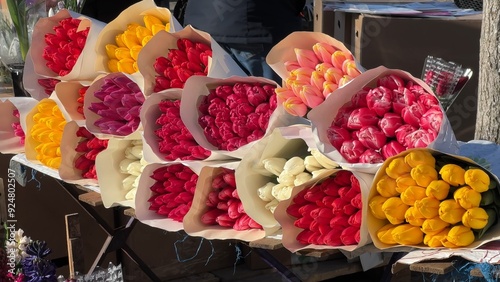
[386, 187]
[435, 240]
[150, 20]
[119, 40]
[43, 136]
[45, 106]
[157, 28]
[414, 217]
[167, 27]
[130, 39]
[37, 117]
[375, 205]
[438, 189]
[475, 218]
[49, 149]
[428, 207]
[397, 167]
[404, 181]
[126, 66]
[54, 162]
[145, 40]
[434, 225]
[394, 209]
[446, 243]
[58, 151]
[416, 157]
[141, 32]
[477, 179]
[450, 211]
[122, 53]
[110, 50]
[412, 194]
[134, 52]
[55, 136]
[407, 234]
[113, 65]
[424, 174]
[460, 236]
[453, 174]
[467, 197]
[384, 234]
[61, 125]
[132, 27]
[135, 66]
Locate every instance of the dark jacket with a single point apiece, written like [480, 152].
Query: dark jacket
[245, 21]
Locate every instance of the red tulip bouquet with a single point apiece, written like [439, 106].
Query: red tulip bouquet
[79, 150]
[312, 66]
[165, 195]
[166, 134]
[217, 211]
[228, 115]
[380, 114]
[112, 105]
[13, 124]
[71, 94]
[62, 46]
[277, 163]
[38, 86]
[327, 213]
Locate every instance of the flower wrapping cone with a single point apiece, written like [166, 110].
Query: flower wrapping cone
[67, 93]
[9, 141]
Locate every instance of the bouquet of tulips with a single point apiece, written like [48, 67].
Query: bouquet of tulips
[312, 66]
[71, 95]
[12, 135]
[426, 198]
[378, 115]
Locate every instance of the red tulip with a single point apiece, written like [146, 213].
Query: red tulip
[411, 114]
[305, 236]
[343, 178]
[333, 238]
[348, 235]
[432, 119]
[337, 135]
[209, 217]
[359, 99]
[372, 137]
[339, 221]
[357, 201]
[343, 115]
[361, 117]
[355, 219]
[379, 100]
[391, 81]
[419, 138]
[402, 97]
[351, 150]
[389, 123]
[370, 156]
[392, 148]
[402, 132]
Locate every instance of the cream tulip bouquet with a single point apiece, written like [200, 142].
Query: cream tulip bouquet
[427, 199]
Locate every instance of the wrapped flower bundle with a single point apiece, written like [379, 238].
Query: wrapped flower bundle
[48, 84]
[46, 132]
[174, 139]
[16, 126]
[173, 191]
[88, 147]
[330, 212]
[118, 113]
[225, 208]
[190, 58]
[384, 120]
[132, 166]
[431, 199]
[234, 115]
[289, 173]
[122, 56]
[64, 46]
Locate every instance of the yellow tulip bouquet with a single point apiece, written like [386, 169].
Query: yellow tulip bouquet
[424, 198]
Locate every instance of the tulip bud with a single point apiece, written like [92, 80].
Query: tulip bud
[304, 237]
[428, 207]
[414, 217]
[311, 164]
[434, 225]
[416, 157]
[372, 137]
[475, 218]
[379, 100]
[375, 205]
[477, 179]
[412, 194]
[450, 211]
[424, 174]
[294, 166]
[384, 234]
[435, 240]
[438, 189]
[460, 236]
[389, 123]
[337, 135]
[209, 217]
[397, 167]
[467, 197]
[392, 148]
[271, 206]
[274, 165]
[453, 174]
[301, 178]
[361, 117]
[348, 235]
[322, 159]
[351, 150]
[407, 234]
[386, 187]
[394, 209]
[403, 182]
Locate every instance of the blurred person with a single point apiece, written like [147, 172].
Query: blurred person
[246, 29]
[105, 10]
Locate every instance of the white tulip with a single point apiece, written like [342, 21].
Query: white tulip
[131, 194]
[135, 168]
[275, 191]
[312, 164]
[301, 178]
[274, 165]
[285, 193]
[264, 192]
[286, 178]
[316, 173]
[271, 206]
[322, 159]
[128, 182]
[294, 165]
[124, 165]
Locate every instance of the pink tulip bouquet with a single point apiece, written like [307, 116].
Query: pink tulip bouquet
[312, 66]
[217, 211]
[112, 106]
[327, 213]
[380, 115]
[12, 126]
[165, 132]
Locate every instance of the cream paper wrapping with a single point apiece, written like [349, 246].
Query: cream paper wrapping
[9, 142]
[91, 117]
[284, 50]
[82, 70]
[197, 87]
[221, 65]
[322, 116]
[374, 224]
[133, 14]
[290, 231]
[67, 171]
[150, 112]
[249, 176]
[110, 178]
[192, 221]
[67, 92]
[30, 79]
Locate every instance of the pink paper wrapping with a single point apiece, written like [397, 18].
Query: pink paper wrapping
[9, 142]
[290, 231]
[322, 116]
[91, 117]
[192, 221]
[82, 70]
[198, 86]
